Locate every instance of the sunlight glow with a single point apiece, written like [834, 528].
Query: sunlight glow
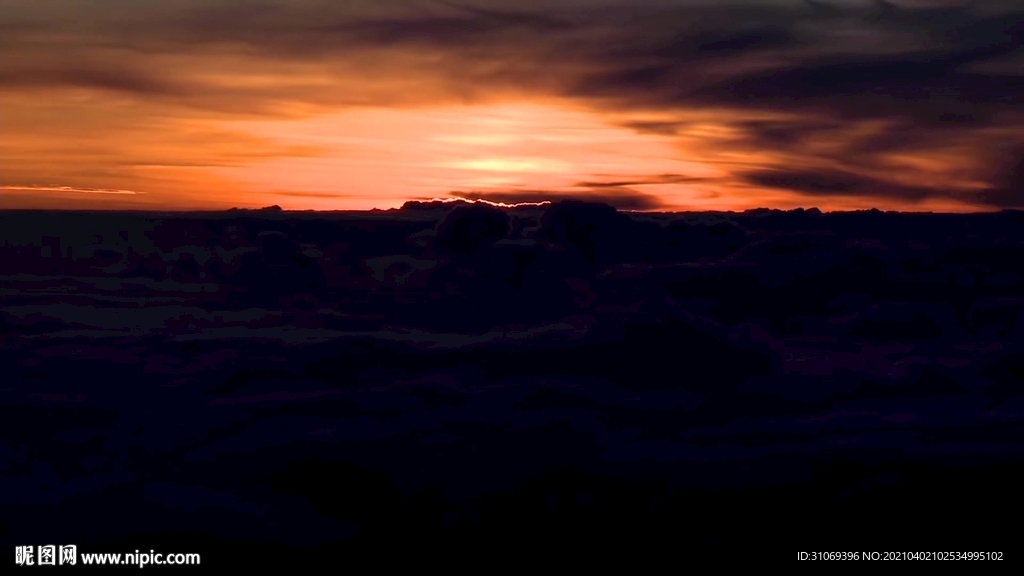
[512, 165]
[382, 157]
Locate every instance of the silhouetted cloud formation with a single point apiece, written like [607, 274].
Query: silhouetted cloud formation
[281, 387]
[468, 228]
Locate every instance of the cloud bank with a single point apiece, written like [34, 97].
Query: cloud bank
[904, 102]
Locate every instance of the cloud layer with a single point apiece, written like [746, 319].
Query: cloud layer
[887, 102]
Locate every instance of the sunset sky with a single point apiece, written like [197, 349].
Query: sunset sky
[645, 104]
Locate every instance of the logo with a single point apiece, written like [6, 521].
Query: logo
[46, 555]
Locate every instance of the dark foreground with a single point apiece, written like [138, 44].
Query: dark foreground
[470, 386]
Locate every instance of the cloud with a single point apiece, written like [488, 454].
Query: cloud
[661, 128]
[787, 133]
[642, 180]
[781, 61]
[1008, 188]
[744, 54]
[824, 183]
[310, 195]
[1001, 197]
[116, 80]
[67, 189]
[851, 84]
[928, 87]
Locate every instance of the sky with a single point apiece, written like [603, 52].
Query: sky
[644, 104]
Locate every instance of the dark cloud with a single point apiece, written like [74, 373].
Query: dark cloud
[745, 54]
[1008, 189]
[465, 229]
[838, 183]
[1001, 197]
[642, 180]
[659, 128]
[824, 9]
[786, 133]
[530, 20]
[303, 29]
[927, 86]
[1014, 176]
[443, 31]
[742, 41]
[924, 76]
[121, 80]
[725, 42]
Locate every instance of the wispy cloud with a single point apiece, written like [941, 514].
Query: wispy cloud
[67, 189]
[323, 195]
[642, 181]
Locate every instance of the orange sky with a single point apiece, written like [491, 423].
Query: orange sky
[186, 105]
